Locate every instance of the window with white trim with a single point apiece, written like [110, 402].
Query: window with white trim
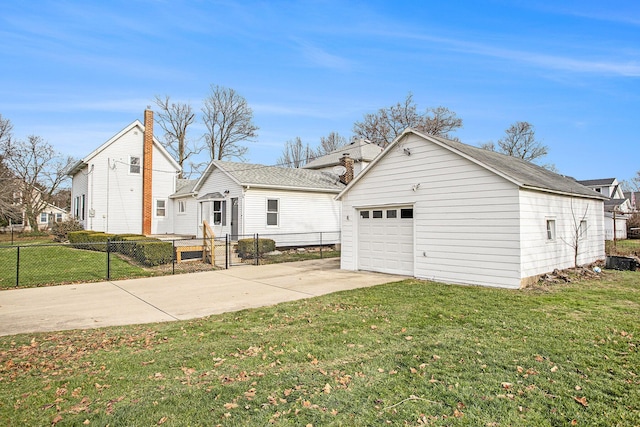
[161, 207]
[273, 209]
[551, 230]
[58, 217]
[219, 212]
[182, 206]
[134, 165]
[43, 217]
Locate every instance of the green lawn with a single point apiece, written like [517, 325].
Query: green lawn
[46, 265]
[406, 353]
[623, 247]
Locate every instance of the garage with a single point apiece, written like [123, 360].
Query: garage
[385, 240]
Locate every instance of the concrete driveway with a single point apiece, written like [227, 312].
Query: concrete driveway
[179, 297]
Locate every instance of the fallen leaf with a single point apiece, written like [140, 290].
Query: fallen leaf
[56, 420]
[506, 385]
[162, 420]
[408, 338]
[436, 357]
[327, 388]
[574, 422]
[554, 369]
[86, 422]
[230, 405]
[581, 400]
[458, 414]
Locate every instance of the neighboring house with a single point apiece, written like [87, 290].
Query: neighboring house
[50, 215]
[361, 151]
[441, 210]
[634, 200]
[616, 208]
[48, 212]
[241, 199]
[124, 185]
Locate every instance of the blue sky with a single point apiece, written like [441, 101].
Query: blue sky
[77, 72]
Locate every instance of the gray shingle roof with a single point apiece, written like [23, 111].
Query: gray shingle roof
[360, 151]
[273, 176]
[597, 182]
[184, 187]
[524, 173]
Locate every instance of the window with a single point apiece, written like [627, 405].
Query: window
[406, 213]
[364, 214]
[219, 212]
[182, 206]
[82, 208]
[392, 213]
[377, 214]
[134, 164]
[582, 231]
[161, 207]
[551, 229]
[272, 212]
[58, 217]
[43, 217]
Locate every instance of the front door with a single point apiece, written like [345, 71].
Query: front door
[234, 218]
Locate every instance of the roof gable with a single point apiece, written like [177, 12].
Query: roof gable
[255, 175]
[75, 168]
[523, 174]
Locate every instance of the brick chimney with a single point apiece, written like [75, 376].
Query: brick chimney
[147, 168]
[347, 162]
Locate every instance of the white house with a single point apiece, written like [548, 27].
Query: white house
[437, 209]
[129, 185]
[124, 185]
[239, 199]
[616, 207]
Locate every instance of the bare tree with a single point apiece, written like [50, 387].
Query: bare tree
[578, 232]
[229, 121]
[386, 124]
[38, 171]
[7, 209]
[175, 119]
[329, 143]
[295, 154]
[520, 141]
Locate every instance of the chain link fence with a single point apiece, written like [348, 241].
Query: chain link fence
[64, 263]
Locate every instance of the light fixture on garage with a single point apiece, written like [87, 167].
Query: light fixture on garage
[415, 187]
[226, 193]
[407, 151]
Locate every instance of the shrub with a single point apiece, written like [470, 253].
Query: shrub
[153, 253]
[79, 239]
[247, 247]
[61, 230]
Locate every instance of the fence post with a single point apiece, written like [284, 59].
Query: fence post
[108, 259]
[18, 267]
[257, 239]
[173, 257]
[321, 245]
[227, 251]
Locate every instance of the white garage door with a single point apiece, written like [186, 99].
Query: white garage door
[385, 240]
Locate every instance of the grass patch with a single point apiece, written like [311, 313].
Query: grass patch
[623, 247]
[406, 353]
[42, 265]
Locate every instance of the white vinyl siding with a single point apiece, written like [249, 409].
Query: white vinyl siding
[301, 216]
[466, 218]
[114, 194]
[541, 255]
[186, 223]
